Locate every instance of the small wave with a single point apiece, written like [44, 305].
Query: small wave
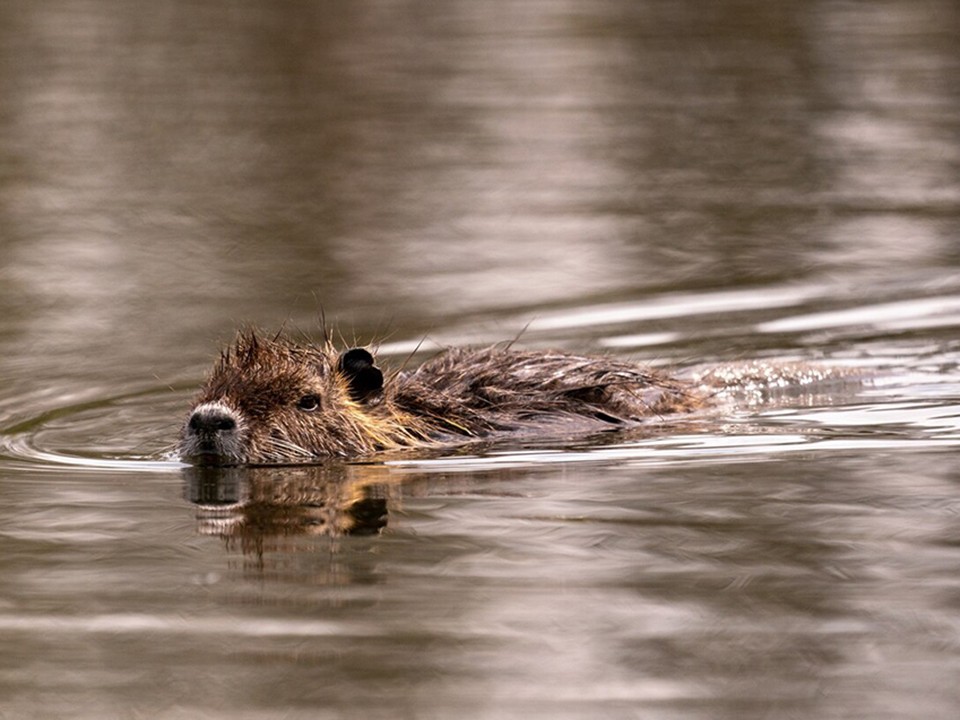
[49, 439]
[932, 312]
[710, 448]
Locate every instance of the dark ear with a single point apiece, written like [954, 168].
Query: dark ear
[364, 379]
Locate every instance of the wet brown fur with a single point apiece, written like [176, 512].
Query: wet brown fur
[457, 395]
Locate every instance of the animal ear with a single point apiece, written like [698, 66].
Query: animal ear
[364, 379]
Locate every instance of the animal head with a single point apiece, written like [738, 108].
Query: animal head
[272, 401]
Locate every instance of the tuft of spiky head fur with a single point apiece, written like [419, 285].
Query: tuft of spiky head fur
[271, 400]
[288, 403]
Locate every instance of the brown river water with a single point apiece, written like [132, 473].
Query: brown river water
[675, 182]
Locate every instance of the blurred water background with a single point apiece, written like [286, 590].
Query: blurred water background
[673, 181]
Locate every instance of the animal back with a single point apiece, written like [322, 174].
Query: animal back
[475, 391]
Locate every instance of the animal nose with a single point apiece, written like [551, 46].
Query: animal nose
[212, 419]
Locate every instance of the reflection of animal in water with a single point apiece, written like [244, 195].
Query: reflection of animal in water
[274, 401]
[279, 509]
[264, 508]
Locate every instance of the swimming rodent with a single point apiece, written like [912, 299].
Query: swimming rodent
[276, 401]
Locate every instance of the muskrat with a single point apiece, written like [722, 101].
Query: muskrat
[276, 401]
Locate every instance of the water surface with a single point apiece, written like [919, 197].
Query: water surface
[677, 183]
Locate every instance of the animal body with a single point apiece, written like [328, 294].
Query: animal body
[275, 401]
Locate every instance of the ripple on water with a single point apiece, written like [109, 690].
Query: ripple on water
[129, 432]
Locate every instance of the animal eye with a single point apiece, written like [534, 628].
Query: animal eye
[308, 403]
